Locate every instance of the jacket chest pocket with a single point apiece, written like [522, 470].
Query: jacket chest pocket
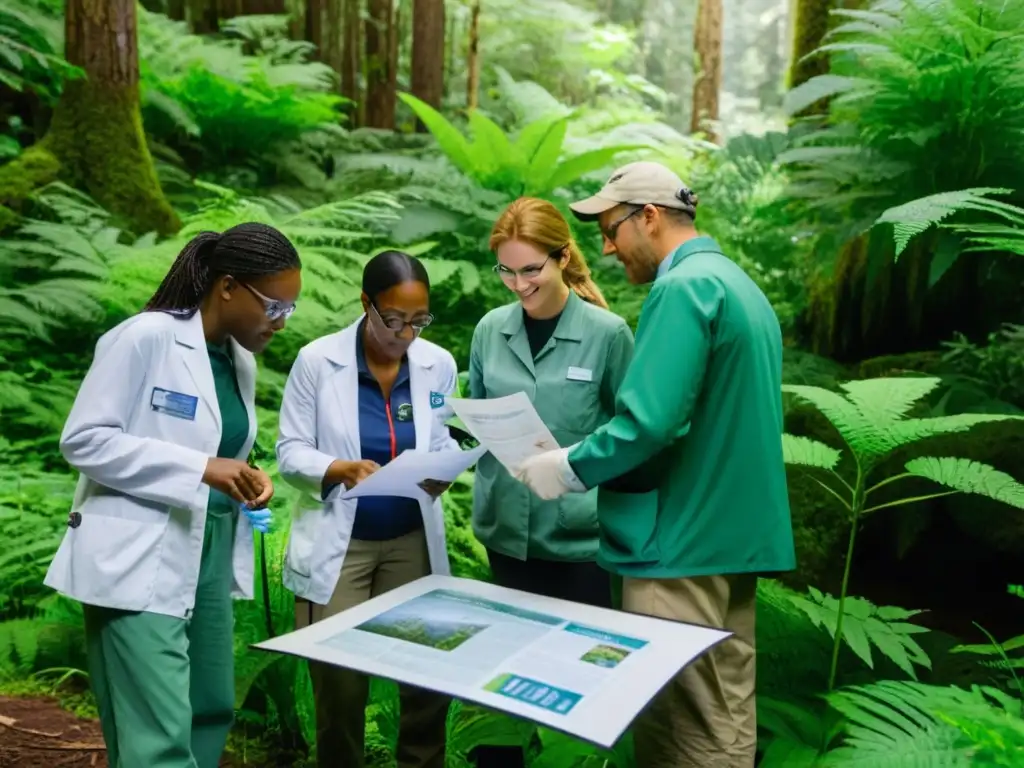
[579, 406]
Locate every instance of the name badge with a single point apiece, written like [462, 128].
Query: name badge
[176, 404]
[579, 374]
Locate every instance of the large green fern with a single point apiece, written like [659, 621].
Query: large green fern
[873, 419]
[913, 218]
[529, 164]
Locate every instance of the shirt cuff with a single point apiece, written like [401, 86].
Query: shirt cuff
[569, 478]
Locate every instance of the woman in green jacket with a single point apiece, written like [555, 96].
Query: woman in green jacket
[560, 344]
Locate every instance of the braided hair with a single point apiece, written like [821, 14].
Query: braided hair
[246, 250]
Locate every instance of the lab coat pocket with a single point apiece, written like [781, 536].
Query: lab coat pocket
[114, 560]
[302, 540]
[629, 527]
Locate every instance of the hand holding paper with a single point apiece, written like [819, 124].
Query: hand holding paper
[406, 475]
[509, 427]
[549, 475]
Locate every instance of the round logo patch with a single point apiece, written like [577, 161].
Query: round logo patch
[404, 412]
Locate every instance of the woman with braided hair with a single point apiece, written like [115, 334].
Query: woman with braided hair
[159, 536]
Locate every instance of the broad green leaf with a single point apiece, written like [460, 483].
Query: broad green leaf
[570, 170]
[455, 146]
[532, 137]
[817, 88]
[490, 151]
[545, 159]
[808, 453]
[970, 476]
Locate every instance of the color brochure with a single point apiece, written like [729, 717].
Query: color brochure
[574, 668]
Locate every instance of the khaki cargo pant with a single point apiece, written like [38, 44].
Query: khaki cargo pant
[705, 717]
[372, 568]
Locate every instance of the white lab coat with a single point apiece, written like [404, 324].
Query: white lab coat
[320, 423]
[140, 492]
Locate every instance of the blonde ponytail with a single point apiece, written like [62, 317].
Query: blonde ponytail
[539, 223]
[577, 276]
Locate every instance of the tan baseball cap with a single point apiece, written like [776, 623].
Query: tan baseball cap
[641, 183]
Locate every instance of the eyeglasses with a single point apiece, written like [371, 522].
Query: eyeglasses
[397, 324]
[613, 229]
[275, 308]
[528, 273]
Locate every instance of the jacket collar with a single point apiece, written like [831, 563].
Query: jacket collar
[699, 244]
[570, 323]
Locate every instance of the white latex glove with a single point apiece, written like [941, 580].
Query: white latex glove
[549, 475]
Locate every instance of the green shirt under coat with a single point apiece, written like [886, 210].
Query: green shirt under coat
[690, 474]
[234, 420]
[588, 343]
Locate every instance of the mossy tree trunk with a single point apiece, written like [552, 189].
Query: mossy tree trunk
[872, 305]
[95, 141]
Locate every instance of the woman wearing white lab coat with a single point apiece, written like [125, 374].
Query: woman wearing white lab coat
[353, 401]
[160, 535]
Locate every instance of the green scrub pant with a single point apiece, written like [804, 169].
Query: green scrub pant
[165, 686]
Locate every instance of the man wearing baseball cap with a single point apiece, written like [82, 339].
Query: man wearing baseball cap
[692, 497]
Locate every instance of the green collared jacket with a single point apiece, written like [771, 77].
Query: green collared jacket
[690, 474]
[572, 384]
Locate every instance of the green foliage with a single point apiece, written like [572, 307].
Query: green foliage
[29, 56]
[866, 625]
[260, 117]
[872, 418]
[917, 216]
[926, 98]
[528, 165]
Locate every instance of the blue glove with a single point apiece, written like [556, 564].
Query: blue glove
[261, 519]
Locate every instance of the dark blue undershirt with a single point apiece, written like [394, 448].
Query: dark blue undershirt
[379, 518]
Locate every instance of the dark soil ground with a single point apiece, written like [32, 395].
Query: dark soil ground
[36, 732]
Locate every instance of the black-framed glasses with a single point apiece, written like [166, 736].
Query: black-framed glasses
[397, 324]
[531, 272]
[612, 231]
[275, 308]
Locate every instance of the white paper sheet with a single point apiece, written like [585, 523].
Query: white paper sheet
[402, 475]
[582, 670]
[509, 427]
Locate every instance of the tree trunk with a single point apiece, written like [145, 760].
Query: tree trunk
[95, 141]
[202, 16]
[872, 306]
[473, 58]
[380, 74]
[707, 41]
[176, 10]
[351, 61]
[811, 20]
[428, 20]
[315, 27]
[259, 7]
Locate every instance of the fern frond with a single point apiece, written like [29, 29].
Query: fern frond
[969, 476]
[893, 725]
[858, 432]
[885, 400]
[913, 218]
[808, 453]
[866, 625]
[912, 430]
